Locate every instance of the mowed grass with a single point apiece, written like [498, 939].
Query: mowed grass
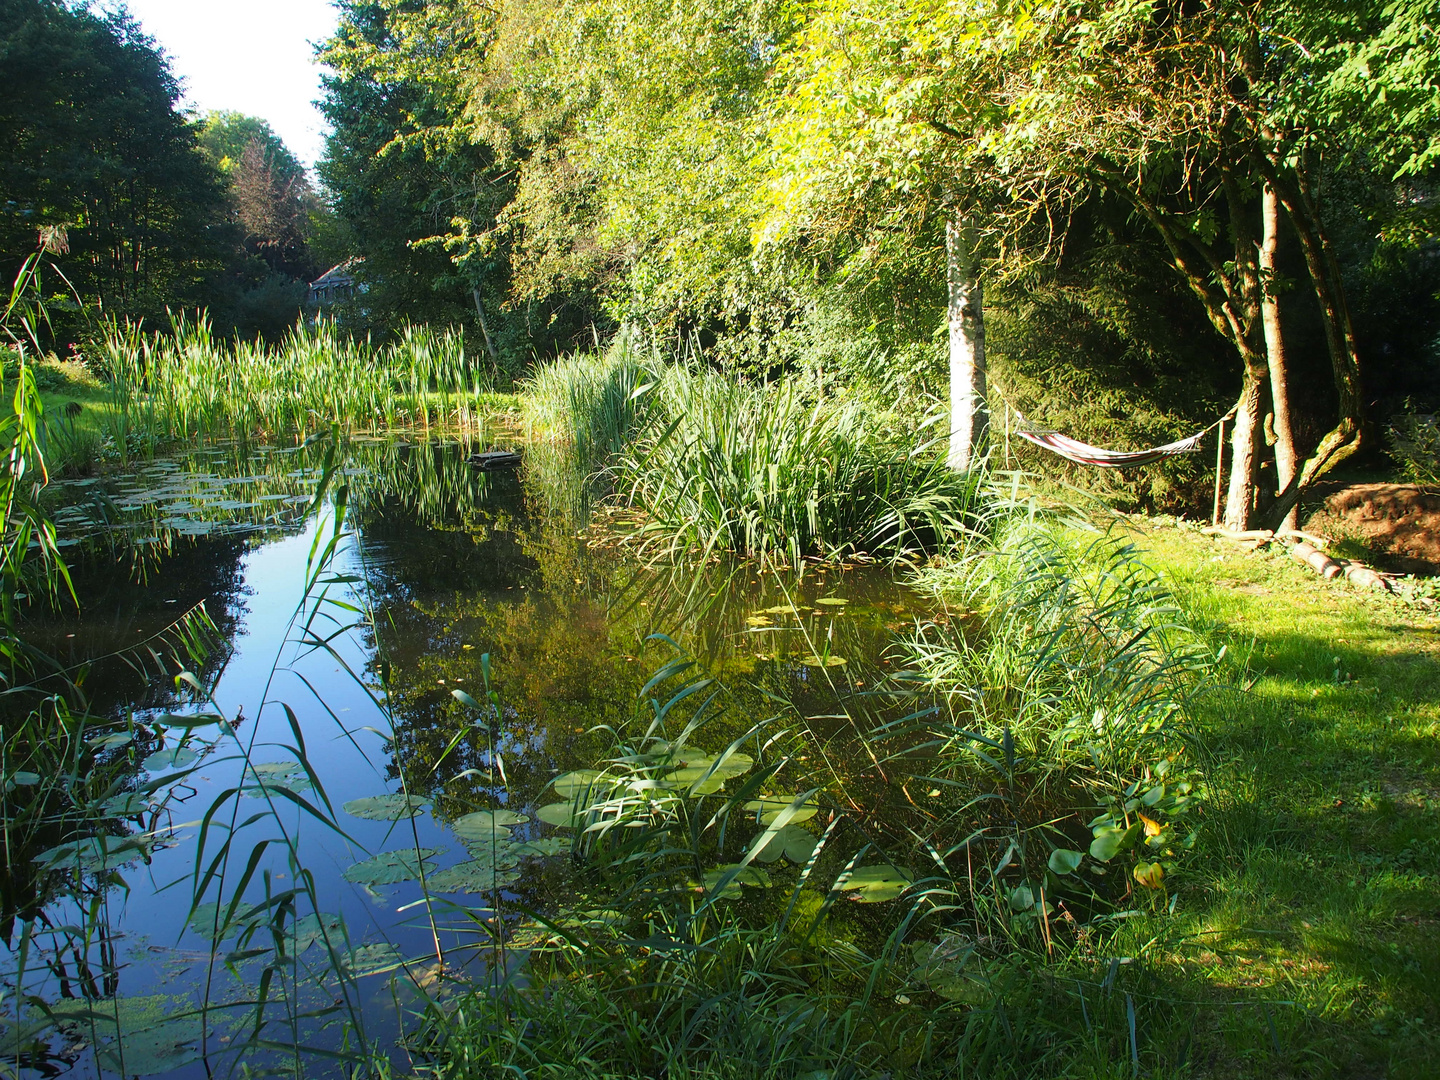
[1317, 877]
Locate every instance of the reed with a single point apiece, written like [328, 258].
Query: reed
[187, 384]
[721, 464]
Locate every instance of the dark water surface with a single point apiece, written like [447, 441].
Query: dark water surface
[346, 692]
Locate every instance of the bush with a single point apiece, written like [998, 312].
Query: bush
[1415, 445]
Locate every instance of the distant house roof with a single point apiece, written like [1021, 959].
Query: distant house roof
[337, 283]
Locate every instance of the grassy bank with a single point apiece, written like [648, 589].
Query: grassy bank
[1290, 933]
[1319, 873]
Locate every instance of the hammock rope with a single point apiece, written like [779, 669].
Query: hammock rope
[1099, 457]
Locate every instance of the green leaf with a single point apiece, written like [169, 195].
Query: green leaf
[547, 846]
[389, 867]
[569, 785]
[770, 808]
[877, 884]
[372, 960]
[563, 815]
[832, 601]
[1110, 841]
[175, 757]
[315, 928]
[1064, 861]
[474, 876]
[486, 823]
[385, 807]
[793, 842]
[752, 876]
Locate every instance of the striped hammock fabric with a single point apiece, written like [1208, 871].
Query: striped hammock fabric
[1078, 452]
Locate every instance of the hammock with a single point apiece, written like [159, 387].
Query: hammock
[1082, 454]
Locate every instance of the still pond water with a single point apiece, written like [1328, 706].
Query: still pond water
[341, 677]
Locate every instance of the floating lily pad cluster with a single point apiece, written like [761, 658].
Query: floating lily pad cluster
[665, 773]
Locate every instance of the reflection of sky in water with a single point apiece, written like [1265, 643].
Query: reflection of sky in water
[565, 624]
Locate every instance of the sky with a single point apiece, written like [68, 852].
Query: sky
[249, 56]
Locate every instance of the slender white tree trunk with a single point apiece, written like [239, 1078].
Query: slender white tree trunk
[1285, 462]
[968, 413]
[484, 326]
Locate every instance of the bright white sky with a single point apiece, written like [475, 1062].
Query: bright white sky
[251, 56]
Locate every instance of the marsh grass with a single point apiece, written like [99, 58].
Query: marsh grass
[186, 384]
[718, 464]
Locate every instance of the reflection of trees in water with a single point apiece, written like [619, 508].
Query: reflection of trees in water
[565, 625]
[118, 613]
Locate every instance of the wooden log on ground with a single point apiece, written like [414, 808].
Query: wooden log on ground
[1309, 538]
[1317, 560]
[1365, 577]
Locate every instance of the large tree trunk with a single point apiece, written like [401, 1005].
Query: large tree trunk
[968, 413]
[1275, 351]
[1245, 443]
[1344, 439]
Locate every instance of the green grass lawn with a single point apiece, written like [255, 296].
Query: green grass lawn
[1316, 880]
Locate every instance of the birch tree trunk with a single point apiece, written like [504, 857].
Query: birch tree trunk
[1275, 351]
[968, 413]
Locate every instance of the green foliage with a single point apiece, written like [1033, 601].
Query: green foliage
[1415, 444]
[718, 464]
[91, 140]
[186, 384]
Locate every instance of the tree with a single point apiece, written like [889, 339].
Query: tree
[90, 139]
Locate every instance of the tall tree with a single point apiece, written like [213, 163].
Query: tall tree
[90, 138]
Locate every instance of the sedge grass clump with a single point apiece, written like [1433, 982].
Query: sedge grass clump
[774, 473]
[592, 403]
[1073, 693]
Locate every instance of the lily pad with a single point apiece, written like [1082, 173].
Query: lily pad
[823, 661]
[133, 1036]
[172, 757]
[547, 846]
[832, 601]
[385, 807]
[793, 842]
[390, 867]
[126, 805]
[204, 918]
[563, 815]
[475, 876]
[289, 775]
[94, 853]
[1063, 861]
[770, 809]
[570, 784]
[487, 823]
[748, 875]
[372, 960]
[876, 884]
[316, 928]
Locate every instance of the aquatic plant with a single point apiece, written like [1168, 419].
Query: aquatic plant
[187, 384]
[717, 463]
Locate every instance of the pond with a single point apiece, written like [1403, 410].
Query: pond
[384, 658]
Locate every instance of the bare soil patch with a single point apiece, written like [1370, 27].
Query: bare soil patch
[1398, 523]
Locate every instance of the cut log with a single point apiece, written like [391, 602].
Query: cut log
[1365, 577]
[1309, 538]
[1317, 560]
